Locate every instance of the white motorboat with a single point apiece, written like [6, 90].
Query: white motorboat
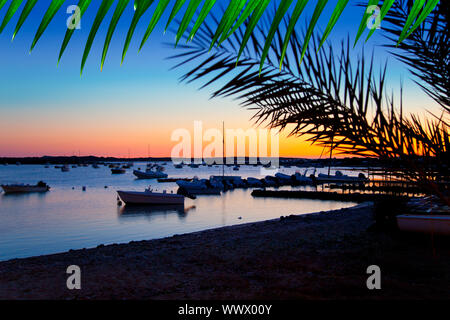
[148, 197]
[197, 187]
[26, 188]
[340, 177]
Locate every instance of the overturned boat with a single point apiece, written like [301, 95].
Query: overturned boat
[26, 188]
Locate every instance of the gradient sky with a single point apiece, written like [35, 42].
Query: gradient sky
[50, 110]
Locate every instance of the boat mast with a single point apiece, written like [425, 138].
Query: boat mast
[223, 150]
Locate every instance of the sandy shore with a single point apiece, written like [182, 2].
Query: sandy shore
[316, 256]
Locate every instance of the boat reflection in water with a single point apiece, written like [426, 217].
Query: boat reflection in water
[154, 210]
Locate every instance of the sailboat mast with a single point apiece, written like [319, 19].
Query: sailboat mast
[223, 149]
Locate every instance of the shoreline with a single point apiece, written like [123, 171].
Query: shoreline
[322, 255]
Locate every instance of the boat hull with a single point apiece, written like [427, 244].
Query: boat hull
[436, 224]
[151, 175]
[150, 198]
[24, 189]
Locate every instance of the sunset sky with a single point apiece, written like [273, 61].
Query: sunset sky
[50, 110]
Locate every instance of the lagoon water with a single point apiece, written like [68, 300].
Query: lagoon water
[69, 218]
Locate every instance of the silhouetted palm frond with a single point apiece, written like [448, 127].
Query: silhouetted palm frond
[426, 51]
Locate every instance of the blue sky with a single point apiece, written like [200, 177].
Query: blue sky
[137, 98]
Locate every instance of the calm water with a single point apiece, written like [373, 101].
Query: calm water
[68, 218]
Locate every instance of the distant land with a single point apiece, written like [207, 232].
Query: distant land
[302, 162]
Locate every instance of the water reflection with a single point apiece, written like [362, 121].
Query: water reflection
[127, 211]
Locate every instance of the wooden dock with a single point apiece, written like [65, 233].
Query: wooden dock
[323, 195]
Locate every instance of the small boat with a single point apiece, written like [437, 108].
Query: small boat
[65, 169]
[283, 178]
[194, 165]
[150, 174]
[26, 188]
[425, 223]
[179, 166]
[340, 177]
[236, 168]
[95, 166]
[302, 178]
[148, 197]
[254, 183]
[270, 181]
[118, 171]
[197, 187]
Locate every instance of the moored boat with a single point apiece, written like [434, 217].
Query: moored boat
[150, 174]
[26, 188]
[148, 197]
[118, 171]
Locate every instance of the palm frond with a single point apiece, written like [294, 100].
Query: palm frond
[426, 51]
[237, 12]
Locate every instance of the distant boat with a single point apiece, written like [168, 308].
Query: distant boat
[194, 165]
[118, 171]
[95, 166]
[283, 178]
[253, 182]
[65, 169]
[236, 168]
[197, 187]
[340, 177]
[178, 166]
[302, 178]
[26, 188]
[148, 197]
[150, 174]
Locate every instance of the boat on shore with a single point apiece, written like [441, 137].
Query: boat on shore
[26, 188]
[424, 223]
[148, 197]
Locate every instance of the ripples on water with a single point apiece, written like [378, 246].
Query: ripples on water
[66, 218]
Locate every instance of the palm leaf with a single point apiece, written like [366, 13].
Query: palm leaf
[247, 14]
[102, 11]
[23, 16]
[48, 17]
[141, 8]
[121, 5]
[15, 4]
[83, 5]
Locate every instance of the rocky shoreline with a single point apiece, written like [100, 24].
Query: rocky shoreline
[315, 256]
